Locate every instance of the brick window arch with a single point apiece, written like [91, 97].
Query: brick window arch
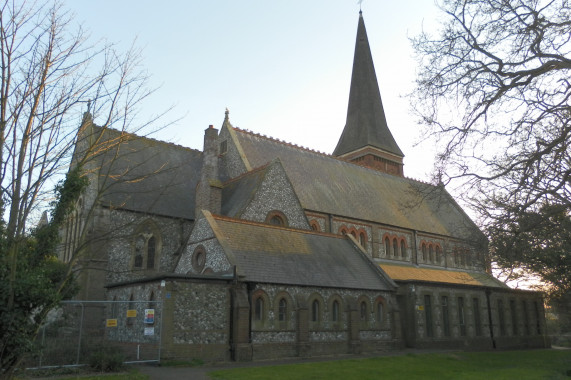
[277, 218]
[315, 226]
[363, 312]
[335, 311]
[395, 247]
[282, 310]
[283, 302]
[387, 246]
[315, 311]
[260, 306]
[259, 309]
[430, 253]
[315, 304]
[363, 239]
[335, 305]
[380, 310]
[343, 230]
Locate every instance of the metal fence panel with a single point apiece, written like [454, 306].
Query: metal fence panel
[77, 330]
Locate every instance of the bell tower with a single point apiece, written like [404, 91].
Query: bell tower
[366, 139]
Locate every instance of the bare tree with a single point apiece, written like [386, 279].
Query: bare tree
[494, 88]
[49, 76]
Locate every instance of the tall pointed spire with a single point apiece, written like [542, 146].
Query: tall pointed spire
[366, 132]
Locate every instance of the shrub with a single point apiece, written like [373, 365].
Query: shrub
[106, 359]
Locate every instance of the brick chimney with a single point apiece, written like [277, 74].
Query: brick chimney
[209, 188]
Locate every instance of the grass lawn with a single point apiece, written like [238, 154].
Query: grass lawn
[509, 365]
[132, 374]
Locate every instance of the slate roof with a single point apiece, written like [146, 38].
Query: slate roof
[238, 192]
[411, 273]
[366, 123]
[146, 175]
[326, 184]
[269, 254]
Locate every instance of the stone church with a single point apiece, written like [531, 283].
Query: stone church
[257, 248]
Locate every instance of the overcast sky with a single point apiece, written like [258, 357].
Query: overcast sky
[282, 68]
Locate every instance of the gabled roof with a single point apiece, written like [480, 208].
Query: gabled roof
[145, 175]
[238, 192]
[443, 276]
[366, 123]
[326, 184]
[265, 253]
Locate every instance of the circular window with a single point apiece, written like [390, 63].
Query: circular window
[199, 258]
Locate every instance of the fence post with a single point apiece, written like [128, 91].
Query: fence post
[43, 343]
[161, 331]
[80, 334]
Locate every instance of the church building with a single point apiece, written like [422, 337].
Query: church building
[258, 249]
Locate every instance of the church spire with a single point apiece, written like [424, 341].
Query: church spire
[366, 132]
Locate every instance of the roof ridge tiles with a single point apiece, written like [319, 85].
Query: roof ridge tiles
[283, 142]
[163, 142]
[271, 226]
[250, 172]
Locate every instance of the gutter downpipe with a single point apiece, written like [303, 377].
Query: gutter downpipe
[489, 304]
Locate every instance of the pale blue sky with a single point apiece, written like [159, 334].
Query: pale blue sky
[282, 68]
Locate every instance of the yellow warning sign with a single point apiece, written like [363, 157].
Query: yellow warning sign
[112, 323]
[132, 313]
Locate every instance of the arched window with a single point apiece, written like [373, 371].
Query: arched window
[363, 311]
[380, 313]
[277, 218]
[335, 311]
[354, 234]
[151, 249]
[430, 253]
[139, 247]
[146, 247]
[423, 249]
[315, 311]
[363, 239]
[282, 310]
[395, 247]
[314, 226]
[259, 309]
[387, 246]
[438, 254]
[402, 249]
